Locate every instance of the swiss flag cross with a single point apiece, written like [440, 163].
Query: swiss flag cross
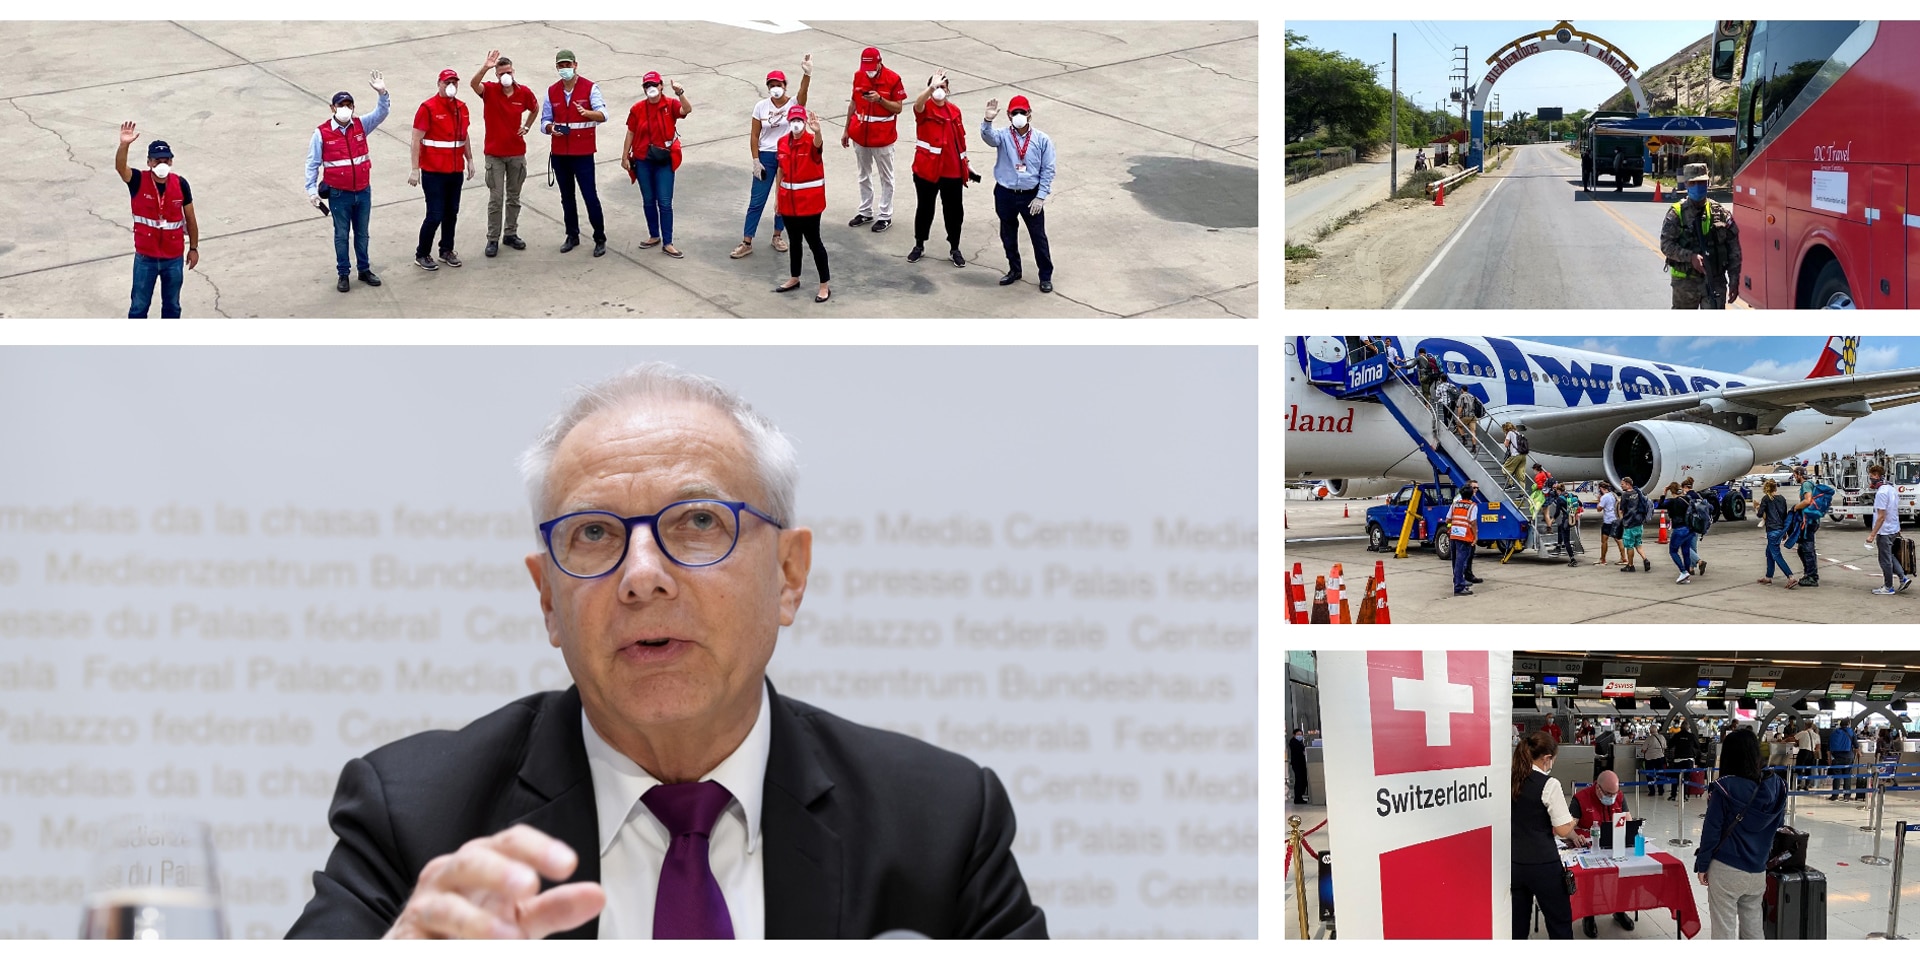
[1430, 710]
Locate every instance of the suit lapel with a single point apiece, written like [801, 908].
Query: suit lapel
[803, 853]
[555, 771]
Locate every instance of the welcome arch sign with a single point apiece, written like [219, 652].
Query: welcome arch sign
[1560, 36]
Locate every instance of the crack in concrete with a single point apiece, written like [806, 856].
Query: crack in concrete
[1089, 306]
[1208, 69]
[216, 293]
[1224, 309]
[57, 135]
[1024, 56]
[109, 220]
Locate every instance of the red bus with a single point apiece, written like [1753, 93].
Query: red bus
[1827, 160]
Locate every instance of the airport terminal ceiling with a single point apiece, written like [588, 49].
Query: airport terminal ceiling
[1802, 670]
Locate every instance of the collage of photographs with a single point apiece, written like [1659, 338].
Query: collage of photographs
[1639, 526]
[792, 375]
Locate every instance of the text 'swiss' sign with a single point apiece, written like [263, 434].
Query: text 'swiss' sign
[1416, 756]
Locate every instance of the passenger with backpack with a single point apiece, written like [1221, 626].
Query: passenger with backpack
[1680, 544]
[1773, 515]
[1700, 517]
[1816, 498]
[1634, 511]
[1515, 444]
[1563, 511]
[1443, 395]
[1467, 411]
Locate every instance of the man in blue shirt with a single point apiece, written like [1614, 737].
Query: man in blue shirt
[348, 176]
[1023, 179]
[1840, 745]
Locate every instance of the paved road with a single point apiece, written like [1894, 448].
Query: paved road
[1538, 240]
[1312, 202]
[1150, 215]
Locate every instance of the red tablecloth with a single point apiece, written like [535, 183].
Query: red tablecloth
[1603, 892]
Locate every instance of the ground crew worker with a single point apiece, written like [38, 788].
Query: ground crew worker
[1463, 528]
[337, 157]
[1022, 179]
[1702, 245]
[940, 167]
[765, 129]
[801, 193]
[441, 155]
[573, 108]
[166, 235]
[651, 154]
[509, 109]
[873, 126]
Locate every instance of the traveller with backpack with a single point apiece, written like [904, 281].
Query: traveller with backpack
[1816, 498]
[1563, 511]
[1680, 544]
[1773, 515]
[1700, 517]
[1516, 447]
[1634, 511]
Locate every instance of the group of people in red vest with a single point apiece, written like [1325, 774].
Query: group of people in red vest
[787, 144]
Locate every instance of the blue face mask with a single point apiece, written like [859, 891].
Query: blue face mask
[1696, 191]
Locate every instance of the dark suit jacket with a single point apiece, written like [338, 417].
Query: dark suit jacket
[864, 831]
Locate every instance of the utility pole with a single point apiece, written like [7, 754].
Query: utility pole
[1393, 135]
[1465, 98]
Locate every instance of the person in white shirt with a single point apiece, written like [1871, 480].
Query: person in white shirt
[768, 125]
[1886, 530]
[1609, 522]
[1516, 462]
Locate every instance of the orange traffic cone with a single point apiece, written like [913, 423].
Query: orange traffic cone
[1346, 512]
[1380, 605]
[1380, 570]
[1440, 196]
[1663, 528]
[1366, 613]
[1319, 614]
[1337, 600]
[1297, 596]
[1656, 191]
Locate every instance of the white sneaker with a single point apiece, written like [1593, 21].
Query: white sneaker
[1684, 578]
[1883, 592]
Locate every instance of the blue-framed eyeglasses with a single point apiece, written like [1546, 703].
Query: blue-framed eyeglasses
[691, 533]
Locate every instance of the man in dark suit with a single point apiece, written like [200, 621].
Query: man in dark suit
[671, 793]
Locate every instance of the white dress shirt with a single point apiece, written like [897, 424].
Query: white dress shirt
[633, 842]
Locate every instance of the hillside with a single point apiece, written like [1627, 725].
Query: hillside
[1682, 83]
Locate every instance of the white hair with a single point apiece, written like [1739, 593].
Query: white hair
[775, 461]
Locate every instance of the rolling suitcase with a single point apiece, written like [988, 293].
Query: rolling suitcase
[1903, 552]
[1795, 907]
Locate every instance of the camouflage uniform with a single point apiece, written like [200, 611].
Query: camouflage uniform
[1680, 238]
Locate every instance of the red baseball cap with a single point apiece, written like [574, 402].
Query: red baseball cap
[1018, 103]
[870, 55]
[652, 77]
[777, 76]
[796, 112]
[449, 74]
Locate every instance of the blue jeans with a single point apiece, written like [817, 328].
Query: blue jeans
[656, 196]
[351, 208]
[170, 273]
[576, 170]
[769, 162]
[1462, 565]
[1774, 555]
[1680, 548]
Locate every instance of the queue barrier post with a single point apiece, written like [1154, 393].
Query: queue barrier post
[1681, 782]
[1879, 809]
[1294, 842]
[1900, 830]
[1873, 797]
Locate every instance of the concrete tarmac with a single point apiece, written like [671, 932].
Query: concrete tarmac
[1153, 212]
[1528, 590]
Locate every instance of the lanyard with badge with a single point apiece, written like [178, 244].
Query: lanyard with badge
[1020, 145]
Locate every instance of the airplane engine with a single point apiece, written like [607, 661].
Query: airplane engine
[1365, 487]
[1658, 452]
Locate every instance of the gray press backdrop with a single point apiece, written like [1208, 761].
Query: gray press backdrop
[226, 571]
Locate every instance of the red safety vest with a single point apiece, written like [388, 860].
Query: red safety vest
[1461, 524]
[803, 177]
[872, 125]
[345, 163]
[661, 124]
[579, 140]
[443, 149]
[160, 223]
[940, 147]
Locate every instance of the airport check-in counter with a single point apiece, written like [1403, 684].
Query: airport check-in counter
[1317, 776]
[1573, 764]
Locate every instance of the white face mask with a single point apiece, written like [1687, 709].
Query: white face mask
[162, 169]
[653, 93]
[506, 80]
[1019, 121]
[343, 114]
[776, 92]
[796, 126]
[451, 89]
[872, 73]
[566, 73]
[939, 94]
[1606, 800]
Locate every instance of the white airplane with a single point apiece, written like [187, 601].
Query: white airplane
[1586, 415]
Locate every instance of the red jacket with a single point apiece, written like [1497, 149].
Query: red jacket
[444, 147]
[803, 177]
[872, 125]
[940, 147]
[580, 139]
[160, 222]
[1591, 812]
[345, 163]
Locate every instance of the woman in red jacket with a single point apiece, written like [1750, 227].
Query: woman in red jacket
[652, 154]
[940, 167]
[801, 188]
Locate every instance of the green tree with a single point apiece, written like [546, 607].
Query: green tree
[1326, 90]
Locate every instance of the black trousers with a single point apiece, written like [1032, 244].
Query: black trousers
[572, 172]
[1542, 882]
[808, 229]
[947, 189]
[1012, 205]
[443, 210]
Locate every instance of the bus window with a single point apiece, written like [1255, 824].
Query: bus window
[1791, 54]
[1906, 472]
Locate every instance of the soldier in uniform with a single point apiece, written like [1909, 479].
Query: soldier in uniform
[1702, 247]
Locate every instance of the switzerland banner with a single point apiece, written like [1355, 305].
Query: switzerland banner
[1418, 758]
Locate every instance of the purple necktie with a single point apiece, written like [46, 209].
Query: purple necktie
[688, 905]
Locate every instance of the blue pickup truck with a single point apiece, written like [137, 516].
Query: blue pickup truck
[1499, 527]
